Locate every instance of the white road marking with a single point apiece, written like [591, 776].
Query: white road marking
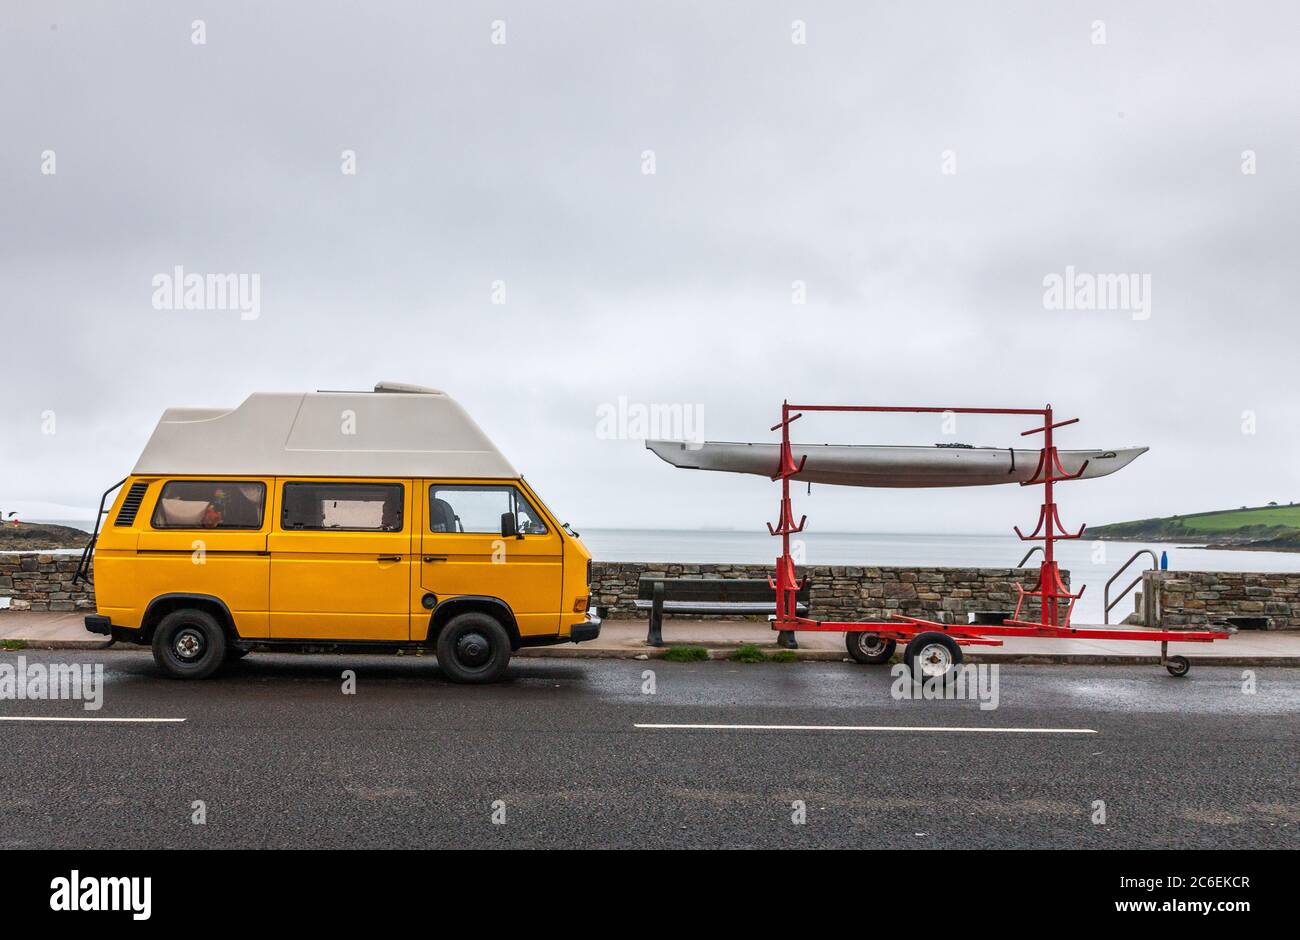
[666, 727]
[51, 718]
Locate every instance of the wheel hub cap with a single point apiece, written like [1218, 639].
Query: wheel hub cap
[189, 644]
[935, 660]
[473, 649]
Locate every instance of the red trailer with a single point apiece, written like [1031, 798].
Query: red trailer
[932, 647]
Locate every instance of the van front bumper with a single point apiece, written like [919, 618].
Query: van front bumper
[589, 629]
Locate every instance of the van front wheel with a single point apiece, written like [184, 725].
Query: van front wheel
[473, 647]
[189, 644]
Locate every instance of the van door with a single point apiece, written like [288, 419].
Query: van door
[207, 537]
[341, 560]
[462, 551]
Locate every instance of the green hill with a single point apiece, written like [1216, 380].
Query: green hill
[1263, 527]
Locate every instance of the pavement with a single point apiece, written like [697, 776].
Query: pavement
[618, 753]
[625, 639]
[52, 630]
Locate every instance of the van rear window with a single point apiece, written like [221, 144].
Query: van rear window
[344, 507]
[210, 504]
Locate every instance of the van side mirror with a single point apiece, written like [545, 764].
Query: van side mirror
[509, 528]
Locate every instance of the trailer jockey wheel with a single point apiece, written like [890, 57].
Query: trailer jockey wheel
[868, 648]
[1178, 665]
[935, 654]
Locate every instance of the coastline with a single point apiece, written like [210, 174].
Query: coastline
[1207, 546]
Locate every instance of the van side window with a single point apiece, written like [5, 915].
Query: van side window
[344, 507]
[478, 509]
[210, 504]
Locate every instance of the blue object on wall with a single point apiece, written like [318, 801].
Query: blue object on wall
[1164, 561]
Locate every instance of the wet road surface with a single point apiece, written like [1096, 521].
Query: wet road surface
[279, 756]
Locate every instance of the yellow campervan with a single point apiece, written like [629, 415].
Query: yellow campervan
[356, 520]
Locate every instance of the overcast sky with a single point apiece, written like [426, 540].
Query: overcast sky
[920, 168]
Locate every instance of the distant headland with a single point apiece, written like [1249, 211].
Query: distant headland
[1273, 528]
[39, 536]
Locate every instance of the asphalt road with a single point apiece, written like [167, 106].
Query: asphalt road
[280, 757]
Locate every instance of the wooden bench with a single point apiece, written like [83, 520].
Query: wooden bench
[735, 596]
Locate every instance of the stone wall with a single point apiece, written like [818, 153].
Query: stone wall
[840, 592]
[43, 582]
[1197, 598]
[843, 592]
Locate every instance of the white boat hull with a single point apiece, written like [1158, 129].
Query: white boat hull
[890, 466]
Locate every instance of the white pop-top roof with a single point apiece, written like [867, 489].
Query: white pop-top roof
[396, 430]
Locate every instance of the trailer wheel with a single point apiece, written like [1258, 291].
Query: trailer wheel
[868, 648]
[934, 654]
[1178, 666]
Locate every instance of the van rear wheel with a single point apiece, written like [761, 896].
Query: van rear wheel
[473, 647]
[189, 644]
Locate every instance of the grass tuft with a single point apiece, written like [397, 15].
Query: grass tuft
[749, 653]
[686, 654]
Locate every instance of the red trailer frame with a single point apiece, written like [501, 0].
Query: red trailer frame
[1056, 603]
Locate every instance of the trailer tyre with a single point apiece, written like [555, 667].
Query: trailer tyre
[868, 648]
[473, 647]
[189, 644]
[932, 654]
[1178, 666]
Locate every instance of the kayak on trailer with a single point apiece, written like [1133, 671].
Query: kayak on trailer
[889, 465]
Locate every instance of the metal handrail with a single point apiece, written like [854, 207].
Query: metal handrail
[1029, 554]
[1155, 566]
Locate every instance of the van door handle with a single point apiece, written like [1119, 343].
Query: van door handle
[389, 558]
[435, 557]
